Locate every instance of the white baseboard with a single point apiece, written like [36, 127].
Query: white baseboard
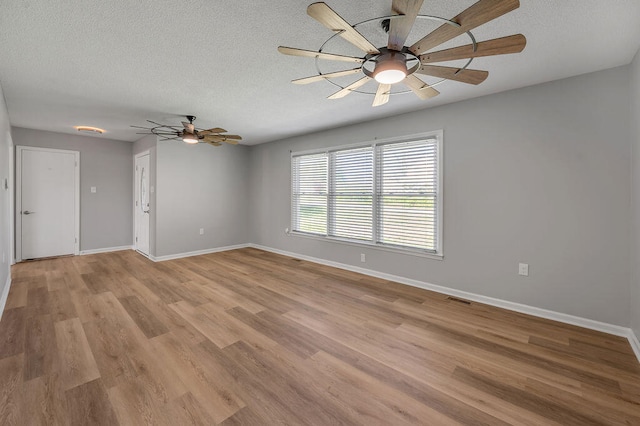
[635, 343]
[5, 294]
[505, 304]
[197, 253]
[105, 250]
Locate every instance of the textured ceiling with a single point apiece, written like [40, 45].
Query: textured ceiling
[112, 64]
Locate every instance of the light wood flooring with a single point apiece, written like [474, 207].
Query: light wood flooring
[247, 337]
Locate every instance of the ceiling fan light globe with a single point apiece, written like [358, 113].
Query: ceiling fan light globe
[189, 138]
[390, 69]
[390, 76]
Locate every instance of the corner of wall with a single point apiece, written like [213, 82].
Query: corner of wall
[634, 106]
[5, 200]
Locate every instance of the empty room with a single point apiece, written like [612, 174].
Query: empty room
[388, 212]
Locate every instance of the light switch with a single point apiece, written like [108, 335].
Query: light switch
[523, 269]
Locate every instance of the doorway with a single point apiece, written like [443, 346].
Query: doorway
[48, 202]
[141, 203]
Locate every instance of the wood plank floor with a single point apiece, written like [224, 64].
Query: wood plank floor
[247, 337]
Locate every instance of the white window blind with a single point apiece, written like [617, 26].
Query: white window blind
[407, 194]
[351, 195]
[383, 194]
[309, 193]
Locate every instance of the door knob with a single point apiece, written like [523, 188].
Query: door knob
[27, 212]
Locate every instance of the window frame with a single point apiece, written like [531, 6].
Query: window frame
[438, 135]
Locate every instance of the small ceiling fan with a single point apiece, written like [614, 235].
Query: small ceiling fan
[395, 62]
[189, 133]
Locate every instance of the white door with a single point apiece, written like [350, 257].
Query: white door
[141, 204]
[48, 202]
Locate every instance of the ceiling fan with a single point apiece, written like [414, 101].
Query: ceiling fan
[395, 62]
[189, 133]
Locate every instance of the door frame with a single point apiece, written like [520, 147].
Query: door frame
[18, 212]
[12, 196]
[135, 183]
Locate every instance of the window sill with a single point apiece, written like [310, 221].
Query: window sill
[410, 252]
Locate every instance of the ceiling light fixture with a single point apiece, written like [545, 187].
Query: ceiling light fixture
[397, 61]
[390, 68]
[189, 133]
[189, 137]
[89, 129]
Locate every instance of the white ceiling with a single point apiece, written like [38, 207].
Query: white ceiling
[113, 64]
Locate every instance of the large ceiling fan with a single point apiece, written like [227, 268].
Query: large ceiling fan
[189, 133]
[395, 62]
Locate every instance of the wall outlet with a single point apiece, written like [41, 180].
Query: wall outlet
[363, 258]
[94, 189]
[201, 231]
[523, 269]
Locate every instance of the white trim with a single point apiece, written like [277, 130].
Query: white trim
[368, 245]
[198, 252]
[136, 158]
[12, 209]
[405, 138]
[5, 294]
[18, 203]
[105, 250]
[505, 304]
[635, 343]
[438, 135]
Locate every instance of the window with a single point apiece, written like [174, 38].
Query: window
[310, 181]
[385, 194]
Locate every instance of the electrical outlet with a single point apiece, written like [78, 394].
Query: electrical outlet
[94, 190]
[363, 257]
[523, 269]
[201, 231]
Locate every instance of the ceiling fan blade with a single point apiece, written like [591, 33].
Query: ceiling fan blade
[464, 76]
[188, 126]
[213, 143]
[230, 137]
[321, 77]
[476, 15]
[399, 28]
[163, 132]
[218, 140]
[382, 95]
[209, 131]
[160, 125]
[322, 13]
[420, 88]
[499, 46]
[350, 88]
[313, 54]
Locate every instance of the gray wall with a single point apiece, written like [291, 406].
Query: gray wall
[106, 216]
[197, 187]
[635, 145]
[5, 222]
[538, 175]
